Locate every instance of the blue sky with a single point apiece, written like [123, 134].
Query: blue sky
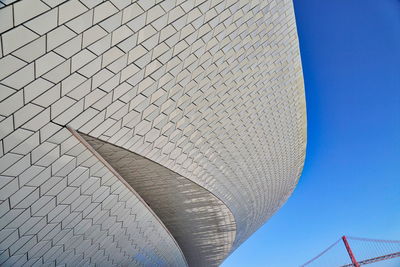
[351, 180]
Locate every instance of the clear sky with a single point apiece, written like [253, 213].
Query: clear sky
[351, 181]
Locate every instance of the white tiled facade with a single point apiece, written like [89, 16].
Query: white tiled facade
[211, 90]
[202, 225]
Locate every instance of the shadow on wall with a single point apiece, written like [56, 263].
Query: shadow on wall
[202, 224]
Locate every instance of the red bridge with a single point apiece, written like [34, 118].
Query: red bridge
[355, 251]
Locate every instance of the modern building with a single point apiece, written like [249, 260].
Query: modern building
[145, 133]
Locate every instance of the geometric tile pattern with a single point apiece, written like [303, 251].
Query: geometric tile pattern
[183, 206]
[60, 205]
[210, 89]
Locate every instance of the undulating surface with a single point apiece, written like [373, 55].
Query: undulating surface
[61, 205]
[202, 225]
[210, 89]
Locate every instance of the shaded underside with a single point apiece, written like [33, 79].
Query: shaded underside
[201, 223]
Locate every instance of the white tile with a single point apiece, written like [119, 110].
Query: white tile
[43, 23]
[59, 210]
[15, 260]
[103, 11]
[42, 150]
[27, 201]
[114, 107]
[154, 13]
[128, 72]
[128, 44]
[143, 127]
[79, 173]
[102, 127]
[152, 67]
[146, 5]
[110, 84]
[60, 163]
[46, 63]
[10, 64]
[61, 105]
[92, 35]
[22, 193]
[71, 82]
[6, 18]
[14, 139]
[111, 55]
[35, 89]
[54, 3]
[58, 36]
[42, 246]
[6, 127]
[30, 224]
[101, 77]
[39, 121]
[81, 90]
[150, 43]
[29, 174]
[4, 180]
[94, 96]
[145, 33]
[121, 4]
[60, 136]
[10, 237]
[45, 204]
[131, 12]
[25, 10]
[137, 23]
[100, 46]
[112, 23]
[136, 53]
[32, 50]
[59, 73]
[20, 78]
[68, 144]
[91, 68]
[81, 58]
[24, 249]
[16, 38]
[49, 97]
[67, 192]
[7, 160]
[18, 167]
[48, 130]
[49, 158]
[70, 9]
[26, 113]
[121, 89]
[11, 104]
[6, 191]
[161, 22]
[81, 23]
[72, 112]
[71, 47]
[91, 3]
[53, 253]
[82, 118]
[120, 34]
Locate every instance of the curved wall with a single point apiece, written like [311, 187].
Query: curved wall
[210, 89]
[202, 225]
[61, 205]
